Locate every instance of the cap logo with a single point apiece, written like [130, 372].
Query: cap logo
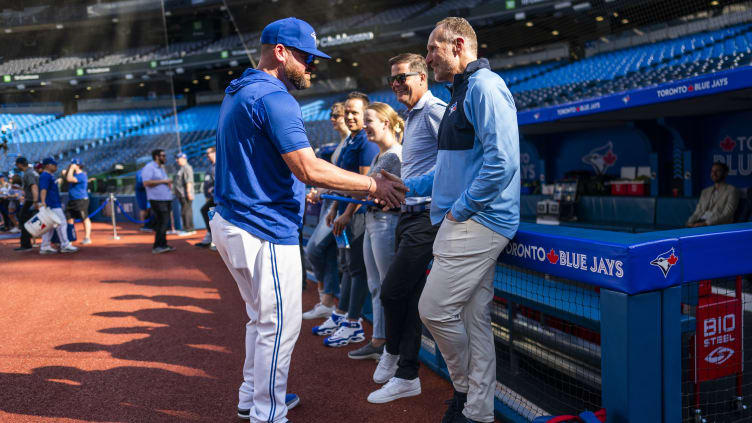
[313, 34]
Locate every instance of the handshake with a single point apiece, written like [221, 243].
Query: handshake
[388, 190]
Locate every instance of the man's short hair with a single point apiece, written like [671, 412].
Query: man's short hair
[23, 161]
[723, 166]
[454, 27]
[211, 150]
[156, 153]
[416, 62]
[360, 96]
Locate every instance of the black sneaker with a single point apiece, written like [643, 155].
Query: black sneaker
[291, 401]
[22, 249]
[454, 409]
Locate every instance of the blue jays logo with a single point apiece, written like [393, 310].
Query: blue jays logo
[665, 261]
[601, 158]
[453, 108]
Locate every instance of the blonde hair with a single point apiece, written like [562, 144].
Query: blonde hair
[396, 124]
[454, 27]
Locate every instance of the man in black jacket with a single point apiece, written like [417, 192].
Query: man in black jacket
[211, 154]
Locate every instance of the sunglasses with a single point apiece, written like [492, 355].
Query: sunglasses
[308, 56]
[400, 77]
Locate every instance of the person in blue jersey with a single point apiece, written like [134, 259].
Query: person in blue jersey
[78, 198]
[475, 191]
[264, 160]
[49, 196]
[344, 325]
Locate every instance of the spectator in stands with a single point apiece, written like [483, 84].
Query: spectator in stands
[31, 199]
[183, 188]
[384, 128]
[211, 154]
[344, 324]
[160, 197]
[718, 203]
[406, 276]
[475, 191]
[144, 209]
[78, 198]
[321, 249]
[49, 196]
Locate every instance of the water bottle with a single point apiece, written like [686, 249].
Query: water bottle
[342, 241]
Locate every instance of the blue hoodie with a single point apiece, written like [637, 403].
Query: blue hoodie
[259, 121]
[477, 173]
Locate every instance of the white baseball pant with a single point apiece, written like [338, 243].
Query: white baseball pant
[269, 277]
[62, 231]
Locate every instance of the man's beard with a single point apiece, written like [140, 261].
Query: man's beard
[297, 79]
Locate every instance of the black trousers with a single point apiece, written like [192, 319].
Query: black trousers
[161, 210]
[4, 212]
[401, 289]
[186, 213]
[205, 213]
[24, 215]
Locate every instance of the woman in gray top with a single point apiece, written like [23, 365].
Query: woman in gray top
[385, 128]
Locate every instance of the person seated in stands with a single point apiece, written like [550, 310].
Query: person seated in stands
[717, 203]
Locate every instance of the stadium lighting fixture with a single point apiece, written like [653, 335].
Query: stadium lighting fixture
[32, 91]
[229, 72]
[76, 96]
[207, 77]
[195, 82]
[519, 16]
[59, 26]
[599, 18]
[616, 14]
[141, 85]
[313, 76]
[581, 7]
[88, 88]
[554, 32]
[528, 24]
[115, 20]
[355, 64]
[186, 90]
[714, 3]
[316, 61]
[43, 83]
[625, 21]
[563, 5]
[484, 45]
[8, 30]
[338, 60]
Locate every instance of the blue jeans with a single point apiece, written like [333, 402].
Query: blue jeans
[321, 251]
[378, 253]
[354, 277]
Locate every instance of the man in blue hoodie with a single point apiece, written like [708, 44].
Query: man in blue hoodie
[475, 190]
[263, 160]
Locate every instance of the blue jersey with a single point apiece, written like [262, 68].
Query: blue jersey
[77, 191]
[259, 121]
[47, 181]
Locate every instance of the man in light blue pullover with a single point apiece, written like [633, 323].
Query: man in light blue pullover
[476, 197]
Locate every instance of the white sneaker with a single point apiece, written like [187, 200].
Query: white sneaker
[69, 249]
[386, 368]
[330, 325]
[14, 230]
[394, 389]
[47, 250]
[186, 233]
[318, 311]
[86, 241]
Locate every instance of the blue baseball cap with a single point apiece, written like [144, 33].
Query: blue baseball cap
[75, 161]
[181, 156]
[49, 161]
[293, 32]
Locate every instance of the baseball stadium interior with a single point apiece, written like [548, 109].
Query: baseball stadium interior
[623, 106]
